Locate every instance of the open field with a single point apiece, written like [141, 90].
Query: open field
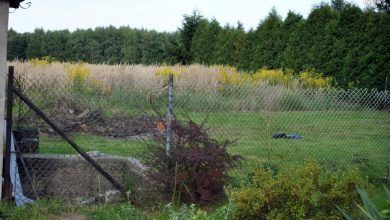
[340, 128]
[335, 138]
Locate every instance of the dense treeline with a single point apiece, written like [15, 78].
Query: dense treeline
[341, 40]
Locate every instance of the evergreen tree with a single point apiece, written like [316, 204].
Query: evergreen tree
[57, 44]
[338, 5]
[247, 51]
[229, 45]
[269, 45]
[36, 44]
[291, 38]
[174, 49]
[79, 41]
[153, 49]
[17, 45]
[317, 44]
[187, 31]
[383, 5]
[128, 47]
[347, 45]
[113, 45]
[204, 41]
[374, 59]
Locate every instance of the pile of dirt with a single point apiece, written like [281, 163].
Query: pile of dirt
[94, 122]
[73, 117]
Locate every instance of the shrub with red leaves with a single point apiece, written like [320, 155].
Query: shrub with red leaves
[197, 165]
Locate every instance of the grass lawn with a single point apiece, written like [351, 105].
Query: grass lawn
[336, 138]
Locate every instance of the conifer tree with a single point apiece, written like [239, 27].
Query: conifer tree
[187, 31]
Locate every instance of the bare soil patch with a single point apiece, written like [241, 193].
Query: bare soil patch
[73, 117]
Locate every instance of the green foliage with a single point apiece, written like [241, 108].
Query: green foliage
[115, 211]
[247, 50]
[229, 44]
[383, 5]
[191, 212]
[293, 53]
[269, 43]
[338, 4]
[17, 44]
[185, 212]
[40, 209]
[307, 192]
[369, 209]
[204, 42]
[187, 32]
[56, 209]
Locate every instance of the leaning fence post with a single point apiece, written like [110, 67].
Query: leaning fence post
[75, 146]
[7, 188]
[169, 114]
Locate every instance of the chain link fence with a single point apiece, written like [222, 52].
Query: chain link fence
[114, 117]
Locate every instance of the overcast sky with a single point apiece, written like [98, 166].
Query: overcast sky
[160, 15]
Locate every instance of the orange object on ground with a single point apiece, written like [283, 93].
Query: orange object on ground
[161, 125]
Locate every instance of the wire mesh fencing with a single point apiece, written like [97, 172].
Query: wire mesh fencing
[115, 137]
[115, 117]
[275, 126]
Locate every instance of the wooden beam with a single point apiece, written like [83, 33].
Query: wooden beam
[4, 8]
[70, 141]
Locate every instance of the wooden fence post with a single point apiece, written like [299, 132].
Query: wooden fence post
[7, 187]
[169, 114]
[4, 11]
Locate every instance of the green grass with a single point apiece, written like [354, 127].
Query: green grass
[335, 138]
[121, 147]
[53, 209]
[57, 209]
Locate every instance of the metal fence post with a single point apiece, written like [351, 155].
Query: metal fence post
[7, 187]
[169, 114]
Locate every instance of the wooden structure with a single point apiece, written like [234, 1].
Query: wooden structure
[4, 11]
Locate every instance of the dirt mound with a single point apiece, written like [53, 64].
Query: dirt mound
[72, 117]
[94, 122]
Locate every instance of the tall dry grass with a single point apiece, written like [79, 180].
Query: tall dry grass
[196, 76]
[197, 87]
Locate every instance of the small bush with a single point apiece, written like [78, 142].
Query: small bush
[46, 60]
[308, 192]
[272, 76]
[82, 81]
[314, 79]
[196, 168]
[115, 211]
[186, 212]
